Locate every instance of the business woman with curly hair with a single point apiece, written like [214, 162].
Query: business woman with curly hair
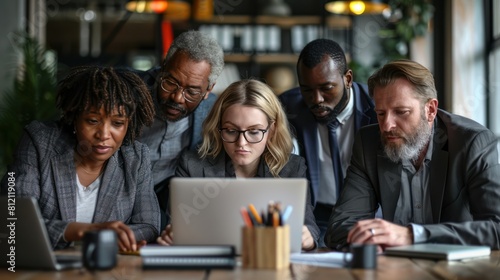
[86, 170]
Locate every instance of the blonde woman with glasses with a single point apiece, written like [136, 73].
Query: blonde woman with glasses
[245, 135]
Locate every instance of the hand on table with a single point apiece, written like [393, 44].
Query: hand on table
[166, 237]
[126, 237]
[307, 239]
[381, 232]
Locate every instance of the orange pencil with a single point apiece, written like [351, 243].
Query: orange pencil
[246, 218]
[255, 213]
[276, 219]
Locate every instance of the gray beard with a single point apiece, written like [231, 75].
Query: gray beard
[161, 105]
[412, 146]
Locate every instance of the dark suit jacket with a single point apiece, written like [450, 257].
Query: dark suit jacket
[306, 126]
[150, 77]
[464, 185]
[191, 165]
[44, 168]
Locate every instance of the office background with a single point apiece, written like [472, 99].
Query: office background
[460, 42]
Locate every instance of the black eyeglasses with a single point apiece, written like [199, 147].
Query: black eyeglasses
[190, 95]
[252, 136]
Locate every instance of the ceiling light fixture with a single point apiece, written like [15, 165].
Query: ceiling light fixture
[356, 7]
[171, 9]
[145, 6]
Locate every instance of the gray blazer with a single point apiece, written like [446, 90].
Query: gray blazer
[44, 168]
[464, 185]
[190, 165]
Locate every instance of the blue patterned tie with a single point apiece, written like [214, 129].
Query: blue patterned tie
[334, 149]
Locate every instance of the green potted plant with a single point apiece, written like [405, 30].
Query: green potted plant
[408, 19]
[32, 96]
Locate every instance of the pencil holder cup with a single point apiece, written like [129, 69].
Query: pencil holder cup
[266, 247]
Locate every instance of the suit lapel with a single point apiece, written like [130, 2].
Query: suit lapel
[310, 140]
[360, 118]
[111, 184]
[438, 170]
[196, 127]
[217, 167]
[389, 176]
[64, 172]
[198, 117]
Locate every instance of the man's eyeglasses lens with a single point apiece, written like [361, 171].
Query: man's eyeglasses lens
[189, 94]
[251, 136]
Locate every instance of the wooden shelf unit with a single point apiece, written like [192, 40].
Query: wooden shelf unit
[333, 22]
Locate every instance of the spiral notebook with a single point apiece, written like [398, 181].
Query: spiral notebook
[188, 257]
[439, 251]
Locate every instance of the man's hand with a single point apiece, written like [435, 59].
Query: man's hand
[381, 232]
[166, 237]
[307, 239]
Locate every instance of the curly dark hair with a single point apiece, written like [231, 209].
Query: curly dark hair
[88, 87]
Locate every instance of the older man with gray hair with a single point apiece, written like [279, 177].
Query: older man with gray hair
[181, 92]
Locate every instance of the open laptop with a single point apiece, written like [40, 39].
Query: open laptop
[22, 229]
[206, 211]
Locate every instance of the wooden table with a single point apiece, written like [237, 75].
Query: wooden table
[129, 267]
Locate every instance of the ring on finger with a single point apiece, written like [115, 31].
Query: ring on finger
[372, 231]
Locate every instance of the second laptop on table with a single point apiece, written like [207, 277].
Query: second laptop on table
[206, 211]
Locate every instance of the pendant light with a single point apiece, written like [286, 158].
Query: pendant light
[356, 7]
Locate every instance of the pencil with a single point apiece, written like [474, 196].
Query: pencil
[286, 214]
[246, 218]
[276, 219]
[254, 213]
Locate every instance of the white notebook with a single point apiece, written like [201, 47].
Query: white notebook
[153, 250]
[439, 251]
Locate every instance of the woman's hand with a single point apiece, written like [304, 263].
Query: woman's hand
[126, 237]
[166, 237]
[307, 239]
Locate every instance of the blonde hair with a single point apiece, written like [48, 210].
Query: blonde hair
[255, 94]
